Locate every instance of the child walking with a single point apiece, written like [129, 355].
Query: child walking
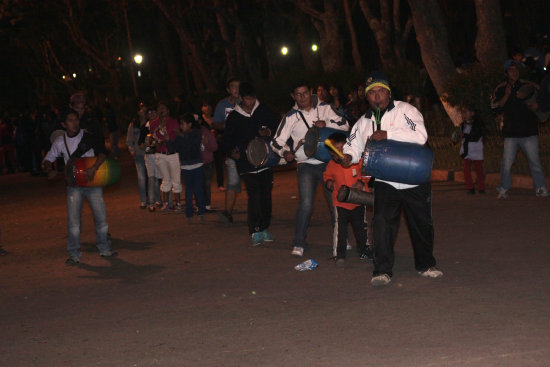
[471, 150]
[335, 176]
[188, 145]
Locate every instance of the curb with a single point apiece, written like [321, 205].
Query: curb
[491, 179]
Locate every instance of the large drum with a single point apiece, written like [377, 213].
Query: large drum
[396, 161]
[107, 174]
[314, 142]
[260, 154]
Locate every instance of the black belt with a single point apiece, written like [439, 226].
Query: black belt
[165, 153]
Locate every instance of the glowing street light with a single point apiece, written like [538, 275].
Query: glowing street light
[284, 50]
[138, 59]
[314, 47]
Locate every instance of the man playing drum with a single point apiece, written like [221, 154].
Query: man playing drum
[394, 120]
[251, 119]
[307, 112]
[76, 143]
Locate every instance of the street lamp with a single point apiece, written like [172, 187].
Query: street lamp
[138, 60]
[284, 50]
[314, 47]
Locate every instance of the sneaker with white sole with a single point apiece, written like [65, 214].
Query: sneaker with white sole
[72, 261]
[297, 251]
[257, 238]
[108, 253]
[432, 272]
[542, 192]
[502, 193]
[380, 279]
[267, 236]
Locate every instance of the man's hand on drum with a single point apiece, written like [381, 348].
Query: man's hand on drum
[346, 161]
[235, 154]
[329, 184]
[379, 135]
[359, 185]
[288, 156]
[320, 123]
[90, 172]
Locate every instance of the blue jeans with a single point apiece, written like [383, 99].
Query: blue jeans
[309, 178]
[193, 180]
[530, 146]
[141, 177]
[75, 198]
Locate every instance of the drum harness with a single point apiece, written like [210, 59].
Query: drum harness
[301, 142]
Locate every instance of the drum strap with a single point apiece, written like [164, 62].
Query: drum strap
[304, 119]
[66, 145]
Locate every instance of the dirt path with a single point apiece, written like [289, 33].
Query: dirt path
[196, 294]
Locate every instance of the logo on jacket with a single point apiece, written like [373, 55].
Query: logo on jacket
[410, 122]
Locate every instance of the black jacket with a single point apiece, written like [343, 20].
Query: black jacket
[240, 129]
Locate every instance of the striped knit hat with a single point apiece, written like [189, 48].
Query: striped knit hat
[377, 79]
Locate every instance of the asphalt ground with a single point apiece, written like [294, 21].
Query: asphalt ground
[198, 294]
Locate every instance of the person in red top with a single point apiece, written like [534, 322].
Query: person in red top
[335, 176]
[164, 129]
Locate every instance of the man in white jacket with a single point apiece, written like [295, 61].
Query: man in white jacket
[307, 112]
[394, 120]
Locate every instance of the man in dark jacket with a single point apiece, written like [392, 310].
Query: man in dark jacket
[248, 120]
[520, 130]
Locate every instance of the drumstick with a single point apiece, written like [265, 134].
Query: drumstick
[328, 143]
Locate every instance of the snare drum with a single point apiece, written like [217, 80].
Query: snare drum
[260, 154]
[397, 161]
[108, 173]
[314, 142]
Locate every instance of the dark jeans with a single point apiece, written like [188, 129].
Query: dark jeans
[193, 186]
[358, 221]
[207, 182]
[259, 187]
[416, 202]
[219, 161]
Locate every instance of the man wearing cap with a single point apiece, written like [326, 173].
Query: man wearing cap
[307, 112]
[400, 121]
[519, 129]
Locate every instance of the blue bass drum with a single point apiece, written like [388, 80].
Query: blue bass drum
[314, 142]
[260, 154]
[397, 161]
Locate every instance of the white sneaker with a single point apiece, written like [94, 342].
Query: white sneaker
[381, 279]
[542, 192]
[297, 251]
[431, 273]
[502, 193]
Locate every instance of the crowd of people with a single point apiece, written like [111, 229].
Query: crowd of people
[171, 153]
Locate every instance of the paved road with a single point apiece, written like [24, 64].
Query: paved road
[195, 294]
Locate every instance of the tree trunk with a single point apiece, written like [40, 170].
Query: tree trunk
[491, 40]
[326, 23]
[172, 79]
[382, 31]
[431, 35]
[194, 56]
[227, 44]
[354, 48]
